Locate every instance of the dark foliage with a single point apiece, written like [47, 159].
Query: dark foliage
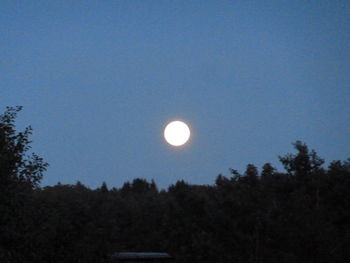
[302, 215]
[20, 174]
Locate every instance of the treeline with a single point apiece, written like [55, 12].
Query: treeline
[300, 215]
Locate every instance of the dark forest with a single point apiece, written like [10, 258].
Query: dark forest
[262, 215]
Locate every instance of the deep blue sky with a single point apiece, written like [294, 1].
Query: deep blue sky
[100, 79]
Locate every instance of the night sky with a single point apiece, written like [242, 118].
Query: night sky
[99, 80]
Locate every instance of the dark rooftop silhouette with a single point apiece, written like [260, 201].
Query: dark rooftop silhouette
[141, 256]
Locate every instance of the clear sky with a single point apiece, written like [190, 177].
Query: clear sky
[99, 80]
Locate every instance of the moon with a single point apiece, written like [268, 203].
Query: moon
[177, 133]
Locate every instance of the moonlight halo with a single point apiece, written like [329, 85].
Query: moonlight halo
[177, 133]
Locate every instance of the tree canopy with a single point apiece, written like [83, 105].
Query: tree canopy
[300, 215]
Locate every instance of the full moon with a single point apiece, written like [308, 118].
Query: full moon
[177, 133]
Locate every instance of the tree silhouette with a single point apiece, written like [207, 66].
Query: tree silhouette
[20, 174]
[301, 215]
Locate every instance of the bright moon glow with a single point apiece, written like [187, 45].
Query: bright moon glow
[176, 133]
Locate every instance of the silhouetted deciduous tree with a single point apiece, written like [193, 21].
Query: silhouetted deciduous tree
[20, 174]
[303, 163]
